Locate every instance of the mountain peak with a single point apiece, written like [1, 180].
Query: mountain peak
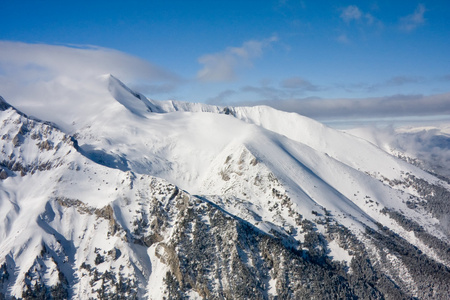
[140, 203]
[3, 104]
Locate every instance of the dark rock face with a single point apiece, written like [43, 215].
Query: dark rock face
[3, 104]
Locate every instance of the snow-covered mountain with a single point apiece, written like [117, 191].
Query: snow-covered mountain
[121, 196]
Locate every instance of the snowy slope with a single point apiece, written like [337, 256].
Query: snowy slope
[425, 146]
[122, 194]
[183, 147]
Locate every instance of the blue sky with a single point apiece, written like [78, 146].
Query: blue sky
[305, 56]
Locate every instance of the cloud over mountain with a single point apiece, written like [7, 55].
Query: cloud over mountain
[62, 74]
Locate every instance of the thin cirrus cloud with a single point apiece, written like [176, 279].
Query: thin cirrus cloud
[298, 83]
[354, 13]
[287, 89]
[351, 13]
[354, 17]
[222, 66]
[221, 97]
[402, 80]
[343, 38]
[395, 81]
[414, 20]
[376, 107]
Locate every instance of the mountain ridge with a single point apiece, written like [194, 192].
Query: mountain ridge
[101, 207]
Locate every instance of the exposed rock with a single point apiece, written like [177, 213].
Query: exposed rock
[107, 213]
[17, 140]
[3, 174]
[45, 145]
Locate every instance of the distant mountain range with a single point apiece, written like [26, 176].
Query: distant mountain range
[124, 197]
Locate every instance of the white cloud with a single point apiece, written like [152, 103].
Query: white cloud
[350, 13]
[289, 88]
[395, 81]
[369, 18]
[222, 66]
[365, 23]
[79, 62]
[298, 83]
[43, 79]
[354, 13]
[221, 97]
[402, 80]
[416, 19]
[343, 38]
[348, 108]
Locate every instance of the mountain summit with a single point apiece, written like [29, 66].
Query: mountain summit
[121, 196]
